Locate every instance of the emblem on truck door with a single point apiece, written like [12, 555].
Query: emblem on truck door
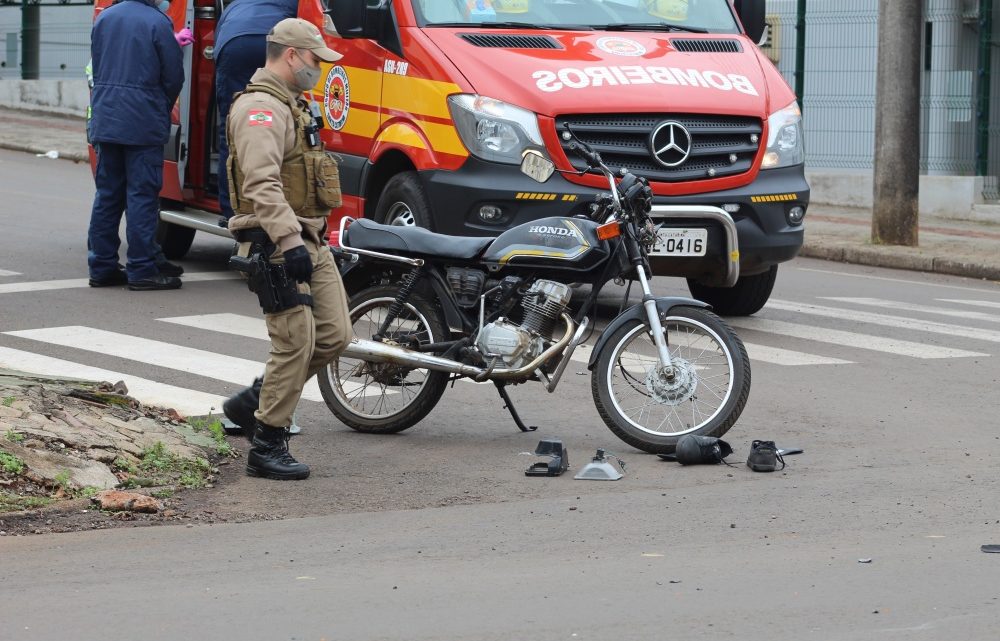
[670, 143]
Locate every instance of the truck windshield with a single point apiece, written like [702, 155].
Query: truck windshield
[713, 16]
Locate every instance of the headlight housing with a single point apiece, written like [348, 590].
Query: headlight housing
[785, 146]
[494, 130]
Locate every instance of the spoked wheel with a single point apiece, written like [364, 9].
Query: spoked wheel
[384, 398]
[706, 395]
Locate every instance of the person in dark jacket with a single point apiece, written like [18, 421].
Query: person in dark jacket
[138, 74]
[240, 48]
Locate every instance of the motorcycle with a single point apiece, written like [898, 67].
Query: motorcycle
[428, 309]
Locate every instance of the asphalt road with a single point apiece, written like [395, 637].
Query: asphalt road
[886, 379]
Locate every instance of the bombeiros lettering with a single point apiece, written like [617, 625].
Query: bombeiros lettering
[599, 76]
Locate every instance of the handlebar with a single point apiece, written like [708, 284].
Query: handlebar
[592, 157]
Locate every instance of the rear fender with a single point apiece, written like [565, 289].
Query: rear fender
[638, 312]
[367, 271]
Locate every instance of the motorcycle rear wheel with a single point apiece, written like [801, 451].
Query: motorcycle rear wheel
[709, 390]
[383, 398]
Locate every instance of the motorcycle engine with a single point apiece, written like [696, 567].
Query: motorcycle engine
[516, 345]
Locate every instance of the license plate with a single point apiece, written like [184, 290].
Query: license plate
[681, 242]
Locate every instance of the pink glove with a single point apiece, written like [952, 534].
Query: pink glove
[184, 37]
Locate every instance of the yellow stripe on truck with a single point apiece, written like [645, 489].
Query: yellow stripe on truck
[361, 122]
[444, 138]
[402, 135]
[417, 96]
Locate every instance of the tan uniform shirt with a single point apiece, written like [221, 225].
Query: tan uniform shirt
[262, 131]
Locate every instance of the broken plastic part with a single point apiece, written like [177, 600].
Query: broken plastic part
[600, 469]
[559, 458]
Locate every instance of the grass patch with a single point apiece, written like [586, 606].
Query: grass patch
[213, 426]
[13, 437]
[13, 503]
[10, 463]
[161, 467]
[8, 401]
[165, 493]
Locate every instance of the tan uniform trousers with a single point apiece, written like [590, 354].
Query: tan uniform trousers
[304, 339]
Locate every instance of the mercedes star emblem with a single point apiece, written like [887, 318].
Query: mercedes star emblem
[670, 143]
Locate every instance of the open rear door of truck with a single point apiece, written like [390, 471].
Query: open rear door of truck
[175, 153]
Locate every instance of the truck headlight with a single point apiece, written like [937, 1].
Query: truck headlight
[784, 138]
[494, 130]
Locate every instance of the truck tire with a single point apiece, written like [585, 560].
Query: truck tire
[404, 202]
[174, 240]
[746, 297]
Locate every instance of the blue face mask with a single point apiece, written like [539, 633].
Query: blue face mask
[163, 6]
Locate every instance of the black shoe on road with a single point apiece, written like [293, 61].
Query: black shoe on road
[239, 409]
[117, 278]
[169, 269]
[155, 283]
[269, 457]
[764, 457]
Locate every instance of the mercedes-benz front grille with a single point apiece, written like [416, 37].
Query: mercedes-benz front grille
[688, 146]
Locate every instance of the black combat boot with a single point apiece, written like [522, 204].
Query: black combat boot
[239, 409]
[269, 456]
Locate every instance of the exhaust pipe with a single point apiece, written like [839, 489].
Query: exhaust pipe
[375, 352]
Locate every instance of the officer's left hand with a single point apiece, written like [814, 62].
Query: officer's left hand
[298, 265]
[184, 37]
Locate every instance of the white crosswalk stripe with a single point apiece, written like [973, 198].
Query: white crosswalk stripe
[187, 402]
[78, 283]
[886, 320]
[910, 307]
[974, 303]
[177, 357]
[850, 339]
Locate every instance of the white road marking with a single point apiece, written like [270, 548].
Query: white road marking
[779, 356]
[886, 320]
[910, 307]
[177, 357]
[79, 283]
[974, 303]
[4, 272]
[849, 339]
[247, 327]
[898, 280]
[186, 401]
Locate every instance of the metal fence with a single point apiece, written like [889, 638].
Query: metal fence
[64, 46]
[960, 90]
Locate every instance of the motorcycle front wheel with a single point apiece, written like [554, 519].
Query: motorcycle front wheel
[706, 395]
[385, 398]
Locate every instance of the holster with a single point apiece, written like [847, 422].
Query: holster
[275, 291]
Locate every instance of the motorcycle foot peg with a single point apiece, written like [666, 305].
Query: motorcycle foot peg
[558, 458]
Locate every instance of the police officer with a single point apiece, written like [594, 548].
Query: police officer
[240, 47]
[138, 73]
[282, 186]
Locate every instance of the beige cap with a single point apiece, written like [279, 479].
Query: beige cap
[298, 33]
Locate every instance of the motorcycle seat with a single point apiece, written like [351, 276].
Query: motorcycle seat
[365, 234]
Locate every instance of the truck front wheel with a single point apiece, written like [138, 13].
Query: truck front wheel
[404, 202]
[174, 240]
[744, 298]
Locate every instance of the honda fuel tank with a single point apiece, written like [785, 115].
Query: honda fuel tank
[550, 243]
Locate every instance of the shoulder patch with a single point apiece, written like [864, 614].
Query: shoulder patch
[261, 118]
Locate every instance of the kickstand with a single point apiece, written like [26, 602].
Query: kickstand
[509, 406]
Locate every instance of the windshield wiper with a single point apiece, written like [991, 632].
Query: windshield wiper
[511, 25]
[648, 26]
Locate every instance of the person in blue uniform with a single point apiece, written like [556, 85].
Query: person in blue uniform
[240, 49]
[138, 74]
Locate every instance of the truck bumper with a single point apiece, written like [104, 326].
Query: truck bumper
[460, 199]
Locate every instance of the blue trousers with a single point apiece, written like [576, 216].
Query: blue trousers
[128, 177]
[236, 63]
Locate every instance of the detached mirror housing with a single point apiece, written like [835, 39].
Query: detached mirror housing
[536, 166]
[752, 14]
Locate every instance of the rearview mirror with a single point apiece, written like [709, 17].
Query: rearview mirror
[752, 14]
[536, 166]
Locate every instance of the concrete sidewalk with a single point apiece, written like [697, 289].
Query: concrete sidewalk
[947, 246]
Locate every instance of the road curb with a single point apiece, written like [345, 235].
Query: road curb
[31, 149]
[894, 258]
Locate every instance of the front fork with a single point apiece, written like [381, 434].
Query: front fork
[653, 317]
